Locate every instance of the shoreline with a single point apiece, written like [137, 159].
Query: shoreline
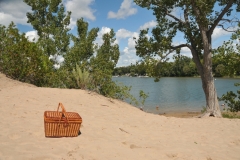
[181, 114]
[178, 114]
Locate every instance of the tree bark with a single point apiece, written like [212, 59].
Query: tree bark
[212, 105]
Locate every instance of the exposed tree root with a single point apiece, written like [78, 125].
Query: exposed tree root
[216, 114]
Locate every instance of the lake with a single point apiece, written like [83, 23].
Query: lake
[173, 94]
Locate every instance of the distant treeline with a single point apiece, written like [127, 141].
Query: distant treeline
[183, 66]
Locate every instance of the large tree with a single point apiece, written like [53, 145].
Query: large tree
[197, 20]
[49, 19]
[102, 65]
[83, 47]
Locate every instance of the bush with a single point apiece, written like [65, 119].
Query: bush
[20, 59]
[82, 77]
[232, 100]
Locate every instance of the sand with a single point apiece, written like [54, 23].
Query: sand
[111, 129]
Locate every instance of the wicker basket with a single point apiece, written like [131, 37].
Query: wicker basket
[62, 124]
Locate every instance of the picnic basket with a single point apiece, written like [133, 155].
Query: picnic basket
[62, 123]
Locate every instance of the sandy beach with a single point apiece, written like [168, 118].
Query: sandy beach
[111, 129]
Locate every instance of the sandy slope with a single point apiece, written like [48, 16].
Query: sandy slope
[110, 130]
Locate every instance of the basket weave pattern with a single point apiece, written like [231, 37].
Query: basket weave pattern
[61, 124]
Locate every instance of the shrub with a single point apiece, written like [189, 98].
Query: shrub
[232, 100]
[82, 77]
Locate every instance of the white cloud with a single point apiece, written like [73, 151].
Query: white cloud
[130, 49]
[103, 31]
[80, 8]
[72, 24]
[16, 8]
[150, 24]
[128, 54]
[186, 52]
[123, 33]
[126, 9]
[127, 57]
[131, 43]
[6, 19]
[32, 35]
[58, 59]
[15, 11]
[219, 32]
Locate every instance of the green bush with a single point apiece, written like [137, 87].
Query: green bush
[82, 77]
[232, 100]
[20, 59]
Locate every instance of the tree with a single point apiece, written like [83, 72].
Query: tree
[197, 22]
[102, 65]
[51, 22]
[83, 47]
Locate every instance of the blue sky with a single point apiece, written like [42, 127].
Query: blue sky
[123, 16]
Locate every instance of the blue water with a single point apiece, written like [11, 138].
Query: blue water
[175, 94]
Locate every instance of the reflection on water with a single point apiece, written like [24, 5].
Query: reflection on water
[175, 94]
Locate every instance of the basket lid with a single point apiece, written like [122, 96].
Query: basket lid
[55, 116]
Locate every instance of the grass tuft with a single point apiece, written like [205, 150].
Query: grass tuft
[231, 115]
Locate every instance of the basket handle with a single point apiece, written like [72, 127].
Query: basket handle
[63, 113]
[63, 109]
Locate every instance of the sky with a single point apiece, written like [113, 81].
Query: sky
[123, 16]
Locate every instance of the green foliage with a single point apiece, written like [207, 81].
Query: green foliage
[182, 66]
[82, 77]
[143, 96]
[232, 100]
[29, 61]
[236, 35]
[122, 92]
[196, 20]
[103, 63]
[226, 60]
[83, 47]
[199, 19]
[48, 17]
[21, 59]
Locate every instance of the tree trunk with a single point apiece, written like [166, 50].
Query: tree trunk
[212, 105]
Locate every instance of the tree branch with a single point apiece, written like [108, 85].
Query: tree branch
[179, 46]
[220, 17]
[225, 29]
[173, 48]
[174, 17]
[170, 15]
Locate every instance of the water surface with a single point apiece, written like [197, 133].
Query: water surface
[175, 94]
